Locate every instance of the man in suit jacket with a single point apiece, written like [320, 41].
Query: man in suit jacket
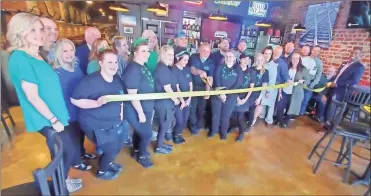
[82, 52]
[349, 73]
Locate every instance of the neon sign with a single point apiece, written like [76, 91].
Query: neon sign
[257, 8]
[228, 3]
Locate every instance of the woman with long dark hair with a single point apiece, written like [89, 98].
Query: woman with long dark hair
[290, 98]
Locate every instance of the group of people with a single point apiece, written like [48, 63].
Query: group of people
[65, 88]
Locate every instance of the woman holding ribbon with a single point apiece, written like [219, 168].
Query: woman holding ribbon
[289, 98]
[184, 76]
[227, 75]
[98, 46]
[165, 82]
[102, 121]
[138, 80]
[266, 107]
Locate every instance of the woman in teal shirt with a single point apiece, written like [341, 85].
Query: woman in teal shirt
[38, 88]
[98, 45]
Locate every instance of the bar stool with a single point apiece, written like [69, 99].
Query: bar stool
[5, 114]
[355, 96]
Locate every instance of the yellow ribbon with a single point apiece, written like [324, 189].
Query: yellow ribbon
[152, 96]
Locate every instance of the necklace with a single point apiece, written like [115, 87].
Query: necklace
[148, 74]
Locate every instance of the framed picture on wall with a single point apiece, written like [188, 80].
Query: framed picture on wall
[129, 30]
[152, 27]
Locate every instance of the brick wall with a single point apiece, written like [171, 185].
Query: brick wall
[343, 39]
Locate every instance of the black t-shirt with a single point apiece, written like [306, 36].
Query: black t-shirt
[184, 77]
[163, 77]
[248, 77]
[230, 78]
[137, 76]
[92, 87]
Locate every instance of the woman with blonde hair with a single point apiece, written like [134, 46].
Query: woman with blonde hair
[68, 69]
[38, 88]
[121, 47]
[165, 82]
[153, 49]
[98, 46]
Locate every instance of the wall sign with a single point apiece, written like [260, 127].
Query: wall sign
[257, 8]
[275, 40]
[228, 3]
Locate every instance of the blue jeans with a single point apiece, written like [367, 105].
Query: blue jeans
[320, 106]
[304, 103]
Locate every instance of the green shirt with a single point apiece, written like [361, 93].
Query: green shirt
[93, 66]
[27, 68]
[152, 61]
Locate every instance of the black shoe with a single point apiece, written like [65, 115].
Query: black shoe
[145, 161]
[115, 167]
[223, 136]
[211, 134]
[276, 123]
[107, 175]
[134, 153]
[194, 131]
[163, 150]
[178, 139]
[128, 143]
[169, 146]
[283, 125]
[240, 137]
[231, 130]
[89, 156]
[83, 166]
[169, 136]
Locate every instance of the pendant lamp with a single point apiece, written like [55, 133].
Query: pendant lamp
[263, 23]
[218, 16]
[299, 27]
[157, 8]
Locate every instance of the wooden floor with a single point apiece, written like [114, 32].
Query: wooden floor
[269, 161]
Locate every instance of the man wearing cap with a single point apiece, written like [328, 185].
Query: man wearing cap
[219, 55]
[82, 52]
[181, 42]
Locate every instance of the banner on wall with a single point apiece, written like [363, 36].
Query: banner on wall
[258, 9]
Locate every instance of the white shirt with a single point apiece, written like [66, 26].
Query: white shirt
[310, 64]
[89, 46]
[288, 90]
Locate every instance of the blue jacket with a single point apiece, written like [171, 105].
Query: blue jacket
[82, 53]
[217, 57]
[283, 71]
[351, 76]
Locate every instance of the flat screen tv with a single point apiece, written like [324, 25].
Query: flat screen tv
[214, 30]
[359, 15]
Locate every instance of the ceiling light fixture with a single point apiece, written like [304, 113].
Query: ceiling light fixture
[119, 8]
[157, 8]
[218, 16]
[263, 23]
[299, 27]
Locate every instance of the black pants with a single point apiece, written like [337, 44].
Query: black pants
[221, 113]
[282, 107]
[110, 145]
[196, 118]
[165, 117]
[181, 117]
[71, 152]
[142, 131]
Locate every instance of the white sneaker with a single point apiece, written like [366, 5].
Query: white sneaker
[74, 180]
[73, 187]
